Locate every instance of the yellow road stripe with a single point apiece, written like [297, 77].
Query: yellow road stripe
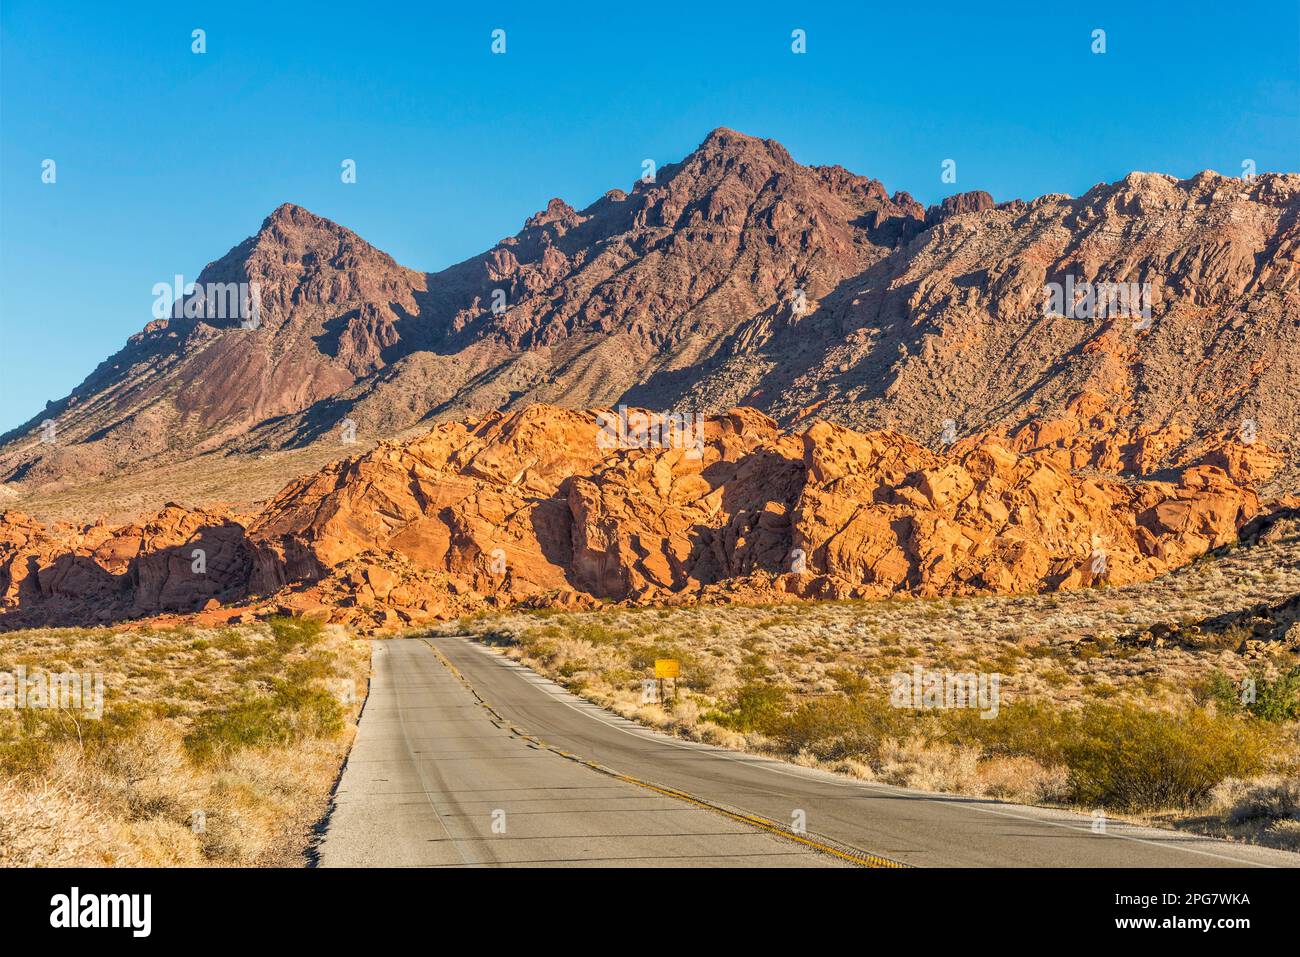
[843, 851]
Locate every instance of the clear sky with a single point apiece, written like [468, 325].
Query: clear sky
[167, 158]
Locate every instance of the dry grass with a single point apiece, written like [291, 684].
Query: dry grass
[215, 747]
[1265, 810]
[1090, 705]
[1065, 646]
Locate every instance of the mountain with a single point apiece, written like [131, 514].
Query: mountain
[740, 277]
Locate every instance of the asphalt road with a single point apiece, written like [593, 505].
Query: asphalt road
[434, 780]
[453, 732]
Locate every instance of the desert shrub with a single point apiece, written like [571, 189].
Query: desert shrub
[754, 706]
[621, 677]
[698, 676]
[1023, 729]
[27, 753]
[28, 745]
[500, 637]
[1023, 780]
[754, 667]
[842, 726]
[1229, 637]
[572, 667]
[290, 633]
[539, 648]
[305, 670]
[850, 682]
[642, 657]
[931, 767]
[1132, 759]
[290, 713]
[1122, 755]
[124, 786]
[594, 633]
[1222, 689]
[1269, 799]
[1275, 699]
[234, 642]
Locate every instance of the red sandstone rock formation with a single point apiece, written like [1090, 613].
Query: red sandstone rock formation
[544, 507]
[528, 508]
[178, 562]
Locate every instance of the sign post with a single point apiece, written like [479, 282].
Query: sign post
[667, 668]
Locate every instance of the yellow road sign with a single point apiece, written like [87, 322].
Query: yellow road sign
[667, 668]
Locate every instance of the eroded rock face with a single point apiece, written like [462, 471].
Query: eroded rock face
[64, 575]
[895, 517]
[528, 508]
[549, 507]
[959, 204]
[1091, 434]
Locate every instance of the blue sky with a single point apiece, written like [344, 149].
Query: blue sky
[166, 158]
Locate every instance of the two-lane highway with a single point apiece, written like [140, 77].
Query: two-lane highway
[434, 780]
[461, 759]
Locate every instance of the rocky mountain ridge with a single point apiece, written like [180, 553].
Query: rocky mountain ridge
[736, 277]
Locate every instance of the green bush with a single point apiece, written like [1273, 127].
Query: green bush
[1119, 756]
[1122, 756]
[698, 676]
[1274, 699]
[290, 713]
[843, 726]
[572, 667]
[1132, 759]
[1023, 729]
[593, 633]
[290, 633]
[754, 706]
[28, 743]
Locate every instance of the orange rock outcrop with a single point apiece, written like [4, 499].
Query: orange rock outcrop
[547, 506]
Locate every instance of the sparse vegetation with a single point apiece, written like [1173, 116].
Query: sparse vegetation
[1274, 698]
[754, 706]
[1095, 712]
[215, 746]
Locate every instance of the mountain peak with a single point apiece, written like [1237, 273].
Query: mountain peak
[291, 216]
[724, 134]
[557, 210]
[288, 211]
[293, 232]
[298, 256]
[732, 143]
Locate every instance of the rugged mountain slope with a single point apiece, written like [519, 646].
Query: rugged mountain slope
[740, 277]
[958, 329]
[536, 507]
[185, 385]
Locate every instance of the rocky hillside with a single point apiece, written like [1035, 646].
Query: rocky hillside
[550, 506]
[739, 277]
